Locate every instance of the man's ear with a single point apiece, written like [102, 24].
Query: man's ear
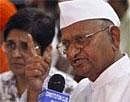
[115, 34]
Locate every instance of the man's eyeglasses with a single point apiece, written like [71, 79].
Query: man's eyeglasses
[64, 45]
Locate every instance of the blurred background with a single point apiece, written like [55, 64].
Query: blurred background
[125, 31]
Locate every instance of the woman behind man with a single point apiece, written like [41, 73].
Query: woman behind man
[27, 37]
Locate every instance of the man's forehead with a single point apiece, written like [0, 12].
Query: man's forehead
[84, 25]
[80, 28]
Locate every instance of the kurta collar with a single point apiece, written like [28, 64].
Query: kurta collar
[116, 70]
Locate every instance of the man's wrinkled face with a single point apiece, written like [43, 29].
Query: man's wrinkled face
[88, 48]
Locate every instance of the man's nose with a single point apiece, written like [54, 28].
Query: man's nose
[73, 50]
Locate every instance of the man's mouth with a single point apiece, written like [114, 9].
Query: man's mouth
[78, 61]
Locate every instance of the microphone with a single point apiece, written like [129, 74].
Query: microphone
[54, 92]
[57, 83]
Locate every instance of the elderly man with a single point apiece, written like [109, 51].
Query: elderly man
[91, 38]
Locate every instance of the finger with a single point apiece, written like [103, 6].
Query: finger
[37, 67]
[34, 59]
[31, 47]
[47, 55]
[42, 68]
[45, 66]
[31, 52]
[36, 84]
[33, 73]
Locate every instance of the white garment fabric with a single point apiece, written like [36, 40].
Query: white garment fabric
[113, 85]
[81, 91]
[8, 90]
[78, 10]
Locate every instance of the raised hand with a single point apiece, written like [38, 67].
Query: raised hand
[37, 67]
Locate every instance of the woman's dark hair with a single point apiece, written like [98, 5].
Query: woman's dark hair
[49, 6]
[36, 22]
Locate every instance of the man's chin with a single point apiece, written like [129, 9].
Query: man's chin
[78, 78]
[82, 71]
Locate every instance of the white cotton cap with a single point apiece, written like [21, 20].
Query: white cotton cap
[78, 10]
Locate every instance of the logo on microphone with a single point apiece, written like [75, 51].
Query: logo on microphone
[49, 95]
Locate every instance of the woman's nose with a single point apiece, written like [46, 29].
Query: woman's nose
[16, 53]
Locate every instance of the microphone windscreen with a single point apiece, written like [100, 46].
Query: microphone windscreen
[57, 83]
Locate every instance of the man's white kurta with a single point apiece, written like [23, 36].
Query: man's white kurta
[113, 85]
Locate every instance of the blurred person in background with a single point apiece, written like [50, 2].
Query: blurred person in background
[120, 7]
[27, 36]
[7, 9]
[19, 4]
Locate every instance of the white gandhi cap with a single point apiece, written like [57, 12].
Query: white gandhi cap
[78, 10]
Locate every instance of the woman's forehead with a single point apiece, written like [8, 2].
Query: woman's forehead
[18, 34]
